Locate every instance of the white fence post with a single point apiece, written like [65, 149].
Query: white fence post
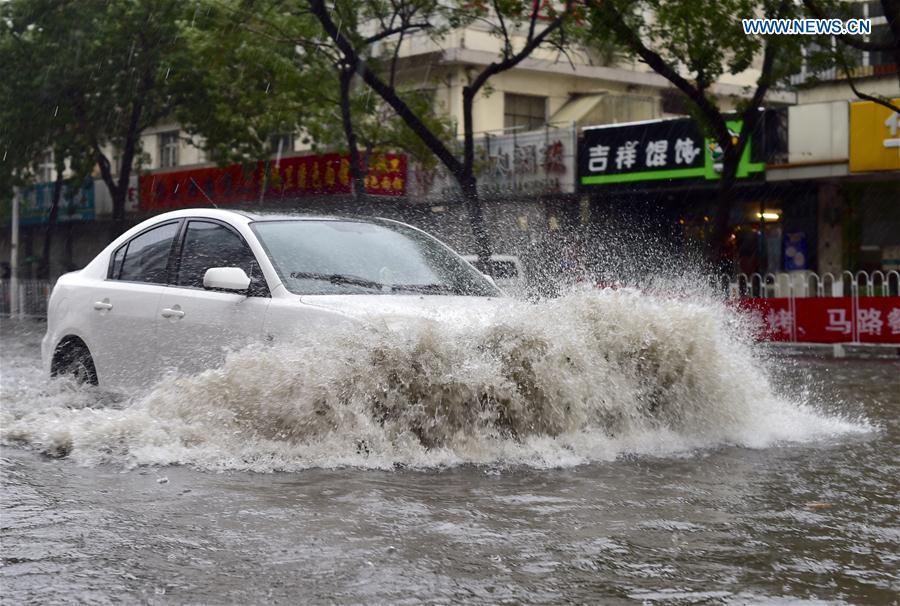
[854, 303]
[14, 257]
[31, 298]
[896, 275]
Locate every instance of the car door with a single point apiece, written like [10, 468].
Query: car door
[197, 327]
[122, 317]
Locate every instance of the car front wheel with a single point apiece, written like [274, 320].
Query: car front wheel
[73, 359]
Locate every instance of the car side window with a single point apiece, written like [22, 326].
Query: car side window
[116, 267]
[146, 257]
[207, 244]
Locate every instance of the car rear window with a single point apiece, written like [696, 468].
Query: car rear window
[145, 257]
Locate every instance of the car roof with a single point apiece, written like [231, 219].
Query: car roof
[253, 217]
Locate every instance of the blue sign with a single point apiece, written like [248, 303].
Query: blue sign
[75, 204]
[795, 251]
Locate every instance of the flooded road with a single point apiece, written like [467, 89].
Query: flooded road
[814, 520]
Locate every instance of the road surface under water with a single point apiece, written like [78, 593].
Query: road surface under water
[806, 521]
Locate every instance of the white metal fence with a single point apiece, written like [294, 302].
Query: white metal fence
[31, 295]
[810, 284]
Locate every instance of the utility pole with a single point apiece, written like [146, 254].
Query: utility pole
[14, 258]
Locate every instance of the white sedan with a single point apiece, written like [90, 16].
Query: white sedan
[180, 290]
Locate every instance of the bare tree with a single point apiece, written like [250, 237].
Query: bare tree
[504, 18]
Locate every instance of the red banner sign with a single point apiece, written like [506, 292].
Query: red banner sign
[828, 319]
[293, 177]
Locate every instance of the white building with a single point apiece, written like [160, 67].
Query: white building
[550, 90]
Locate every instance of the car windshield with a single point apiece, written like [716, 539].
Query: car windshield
[324, 257]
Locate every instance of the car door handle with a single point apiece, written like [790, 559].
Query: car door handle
[171, 312]
[102, 305]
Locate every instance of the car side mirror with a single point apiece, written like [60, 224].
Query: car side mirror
[489, 279]
[226, 278]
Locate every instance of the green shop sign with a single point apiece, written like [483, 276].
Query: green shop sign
[653, 151]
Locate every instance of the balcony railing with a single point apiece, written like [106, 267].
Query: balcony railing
[833, 74]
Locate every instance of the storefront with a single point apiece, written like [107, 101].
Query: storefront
[872, 193]
[288, 183]
[845, 157]
[661, 178]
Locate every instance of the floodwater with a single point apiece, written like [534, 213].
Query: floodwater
[748, 478]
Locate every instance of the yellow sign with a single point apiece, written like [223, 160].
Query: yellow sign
[874, 137]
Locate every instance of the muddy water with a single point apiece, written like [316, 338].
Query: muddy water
[807, 513]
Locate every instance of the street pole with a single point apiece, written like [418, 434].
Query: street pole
[14, 258]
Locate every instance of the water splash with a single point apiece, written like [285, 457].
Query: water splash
[591, 376]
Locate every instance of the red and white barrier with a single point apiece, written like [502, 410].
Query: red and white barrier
[807, 308]
[828, 319]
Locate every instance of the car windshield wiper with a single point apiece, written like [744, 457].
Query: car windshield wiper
[422, 288]
[365, 283]
[337, 279]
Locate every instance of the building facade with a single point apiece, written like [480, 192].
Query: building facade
[540, 128]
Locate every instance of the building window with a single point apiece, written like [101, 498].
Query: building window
[524, 112]
[168, 149]
[47, 167]
[881, 34]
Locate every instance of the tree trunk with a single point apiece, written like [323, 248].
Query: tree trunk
[469, 185]
[120, 195]
[43, 270]
[69, 252]
[356, 169]
[117, 227]
[750, 120]
[472, 202]
[119, 190]
[724, 203]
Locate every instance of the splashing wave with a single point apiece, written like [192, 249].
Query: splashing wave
[587, 377]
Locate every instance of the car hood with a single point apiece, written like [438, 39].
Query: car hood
[396, 310]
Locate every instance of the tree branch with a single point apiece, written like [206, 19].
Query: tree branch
[535, 11]
[695, 93]
[510, 62]
[862, 45]
[400, 29]
[507, 42]
[750, 116]
[394, 58]
[864, 96]
[94, 142]
[437, 147]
